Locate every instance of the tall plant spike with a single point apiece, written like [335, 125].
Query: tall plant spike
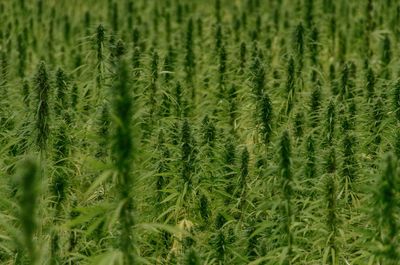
[285, 168]
[42, 88]
[123, 150]
[27, 179]
[384, 213]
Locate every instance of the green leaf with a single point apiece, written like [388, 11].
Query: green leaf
[99, 180]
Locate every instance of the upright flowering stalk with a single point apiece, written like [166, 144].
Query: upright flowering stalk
[42, 87]
[385, 214]
[386, 56]
[190, 62]
[299, 48]
[332, 218]
[330, 122]
[396, 101]
[100, 38]
[370, 84]
[290, 85]
[287, 192]
[188, 153]
[27, 177]
[61, 91]
[123, 155]
[265, 118]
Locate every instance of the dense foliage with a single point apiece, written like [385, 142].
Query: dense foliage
[199, 132]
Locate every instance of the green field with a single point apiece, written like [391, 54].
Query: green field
[199, 132]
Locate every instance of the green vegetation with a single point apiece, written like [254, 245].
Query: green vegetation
[199, 132]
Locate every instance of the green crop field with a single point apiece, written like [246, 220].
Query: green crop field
[196, 132]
